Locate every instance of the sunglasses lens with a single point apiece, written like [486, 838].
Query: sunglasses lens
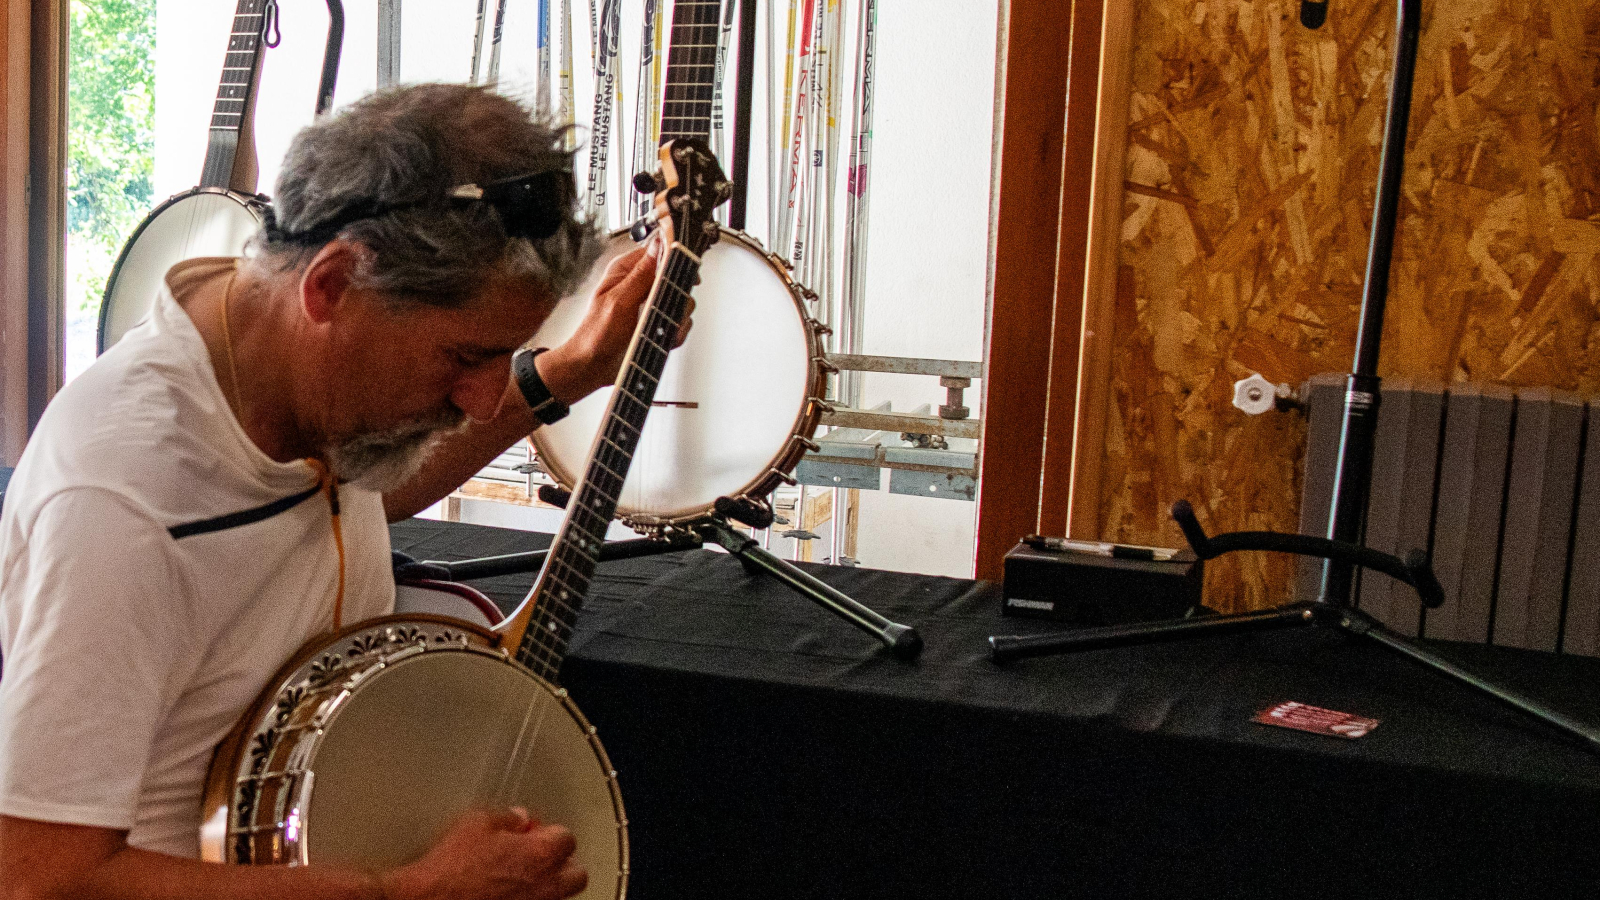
[533, 207]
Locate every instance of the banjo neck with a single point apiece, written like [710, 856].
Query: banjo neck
[691, 71]
[690, 185]
[688, 188]
[230, 149]
[543, 625]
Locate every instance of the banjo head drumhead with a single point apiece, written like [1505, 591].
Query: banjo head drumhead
[729, 401]
[440, 733]
[201, 222]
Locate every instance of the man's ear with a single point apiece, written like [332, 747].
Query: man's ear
[327, 281]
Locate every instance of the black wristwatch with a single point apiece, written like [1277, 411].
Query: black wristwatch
[546, 408]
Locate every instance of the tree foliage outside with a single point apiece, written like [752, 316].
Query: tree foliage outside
[110, 137]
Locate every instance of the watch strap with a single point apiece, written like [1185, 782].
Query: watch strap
[546, 408]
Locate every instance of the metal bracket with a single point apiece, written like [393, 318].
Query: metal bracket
[855, 457]
[907, 365]
[871, 420]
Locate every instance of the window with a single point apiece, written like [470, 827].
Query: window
[139, 124]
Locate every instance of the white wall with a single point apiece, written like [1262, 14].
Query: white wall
[928, 234]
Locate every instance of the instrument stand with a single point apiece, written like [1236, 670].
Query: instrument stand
[1341, 550]
[903, 641]
[1414, 570]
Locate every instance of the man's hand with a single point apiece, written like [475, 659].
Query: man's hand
[589, 360]
[493, 855]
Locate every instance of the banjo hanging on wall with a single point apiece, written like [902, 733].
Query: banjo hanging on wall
[218, 216]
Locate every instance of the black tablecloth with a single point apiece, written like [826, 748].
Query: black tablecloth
[767, 749]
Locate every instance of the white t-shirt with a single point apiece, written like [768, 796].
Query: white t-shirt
[130, 652]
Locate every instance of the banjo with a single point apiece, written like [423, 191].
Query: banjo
[740, 400]
[224, 211]
[370, 741]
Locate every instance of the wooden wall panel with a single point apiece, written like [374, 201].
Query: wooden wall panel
[47, 205]
[1104, 281]
[1072, 243]
[14, 109]
[1252, 156]
[1031, 87]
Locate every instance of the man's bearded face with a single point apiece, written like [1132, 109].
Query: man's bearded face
[385, 459]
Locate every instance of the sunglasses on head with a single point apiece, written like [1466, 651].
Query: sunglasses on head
[530, 206]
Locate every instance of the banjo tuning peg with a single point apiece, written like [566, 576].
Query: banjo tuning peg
[555, 496]
[744, 510]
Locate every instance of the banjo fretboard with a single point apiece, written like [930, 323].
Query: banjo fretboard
[691, 70]
[240, 68]
[564, 582]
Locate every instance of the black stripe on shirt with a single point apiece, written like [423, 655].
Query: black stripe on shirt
[247, 517]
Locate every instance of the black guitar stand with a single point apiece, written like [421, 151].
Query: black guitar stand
[901, 640]
[1414, 570]
[1341, 550]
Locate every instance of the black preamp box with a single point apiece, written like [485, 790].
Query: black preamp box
[1091, 583]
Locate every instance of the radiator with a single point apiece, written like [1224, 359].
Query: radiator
[1501, 487]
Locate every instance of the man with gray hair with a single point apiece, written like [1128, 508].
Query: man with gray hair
[213, 491]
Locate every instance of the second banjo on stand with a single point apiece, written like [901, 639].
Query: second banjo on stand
[740, 400]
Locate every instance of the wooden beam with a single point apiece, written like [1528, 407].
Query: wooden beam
[1101, 285]
[1083, 92]
[14, 102]
[47, 208]
[1031, 87]
[846, 417]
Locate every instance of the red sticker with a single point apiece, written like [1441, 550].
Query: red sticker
[1315, 719]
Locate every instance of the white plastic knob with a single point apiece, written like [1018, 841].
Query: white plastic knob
[1255, 395]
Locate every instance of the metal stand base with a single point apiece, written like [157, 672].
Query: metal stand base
[1316, 613]
[902, 640]
[533, 561]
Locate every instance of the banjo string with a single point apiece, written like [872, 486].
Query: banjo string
[522, 750]
[515, 769]
[516, 763]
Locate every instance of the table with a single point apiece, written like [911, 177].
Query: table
[769, 750]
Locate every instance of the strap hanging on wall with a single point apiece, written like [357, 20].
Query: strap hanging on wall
[388, 43]
[855, 214]
[477, 44]
[494, 44]
[606, 90]
[565, 108]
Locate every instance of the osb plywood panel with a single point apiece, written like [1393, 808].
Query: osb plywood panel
[1252, 160]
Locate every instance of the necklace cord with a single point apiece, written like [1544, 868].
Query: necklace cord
[326, 479]
[330, 486]
[227, 347]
